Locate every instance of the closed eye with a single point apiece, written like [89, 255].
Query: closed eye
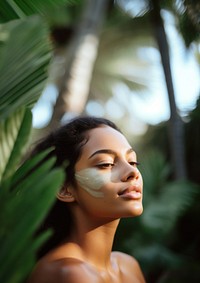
[105, 165]
[134, 163]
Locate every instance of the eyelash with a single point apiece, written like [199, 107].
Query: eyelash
[110, 165]
[134, 163]
[105, 165]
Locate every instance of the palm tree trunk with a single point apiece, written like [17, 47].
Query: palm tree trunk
[80, 58]
[175, 123]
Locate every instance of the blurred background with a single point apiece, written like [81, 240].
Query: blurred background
[135, 62]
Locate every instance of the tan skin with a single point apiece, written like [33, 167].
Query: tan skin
[87, 256]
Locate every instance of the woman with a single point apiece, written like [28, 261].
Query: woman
[103, 184]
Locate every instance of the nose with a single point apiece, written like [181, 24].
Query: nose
[130, 173]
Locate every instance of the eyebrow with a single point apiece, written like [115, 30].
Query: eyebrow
[109, 151]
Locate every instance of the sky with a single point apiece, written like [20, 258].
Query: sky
[150, 109]
[186, 80]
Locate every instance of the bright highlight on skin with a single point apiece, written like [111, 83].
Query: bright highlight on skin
[91, 181]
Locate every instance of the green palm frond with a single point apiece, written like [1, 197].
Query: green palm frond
[27, 194]
[174, 198]
[15, 9]
[14, 134]
[25, 169]
[118, 62]
[25, 56]
[22, 210]
[25, 197]
[164, 201]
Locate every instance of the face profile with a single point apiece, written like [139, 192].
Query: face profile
[103, 184]
[108, 169]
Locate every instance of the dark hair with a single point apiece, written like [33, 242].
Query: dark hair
[67, 143]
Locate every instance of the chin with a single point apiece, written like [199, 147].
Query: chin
[137, 210]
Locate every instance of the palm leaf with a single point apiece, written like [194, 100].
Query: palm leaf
[162, 214]
[27, 194]
[26, 168]
[16, 9]
[25, 56]
[22, 210]
[14, 133]
[164, 201]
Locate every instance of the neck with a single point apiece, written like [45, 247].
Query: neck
[94, 241]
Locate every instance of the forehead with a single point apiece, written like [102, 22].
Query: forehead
[105, 137]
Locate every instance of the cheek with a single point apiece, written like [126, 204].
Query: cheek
[91, 180]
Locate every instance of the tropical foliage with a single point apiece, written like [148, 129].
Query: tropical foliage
[25, 54]
[160, 239]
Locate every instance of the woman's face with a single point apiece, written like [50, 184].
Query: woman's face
[109, 183]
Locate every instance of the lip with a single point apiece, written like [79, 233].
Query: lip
[131, 192]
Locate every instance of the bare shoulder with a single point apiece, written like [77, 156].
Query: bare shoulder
[67, 270]
[129, 266]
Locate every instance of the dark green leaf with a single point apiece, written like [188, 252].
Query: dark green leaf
[25, 56]
[23, 212]
[169, 204]
[14, 134]
[28, 166]
[20, 9]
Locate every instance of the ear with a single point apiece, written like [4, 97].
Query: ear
[65, 194]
